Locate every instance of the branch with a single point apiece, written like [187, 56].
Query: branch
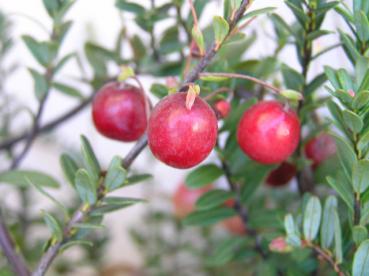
[6, 242]
[242, 76]
[49, 126]
[36, 125]
[242, 212]
[327, 258]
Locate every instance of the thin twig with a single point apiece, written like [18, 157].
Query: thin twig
[244, 77]
[8, 144]
[327, 258]
[218, 91]
[7, 244]
[194, 14]
[242, 212]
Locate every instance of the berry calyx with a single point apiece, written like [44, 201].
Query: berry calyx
[320, 148]
[281, 175]
[195, 50]
[184, 199]
[268, 132]
[118, 112]
[223, 107]
[182, 137]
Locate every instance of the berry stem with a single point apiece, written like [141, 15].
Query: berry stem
[244, 77]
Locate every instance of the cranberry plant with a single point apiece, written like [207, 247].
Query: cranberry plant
[251, 121]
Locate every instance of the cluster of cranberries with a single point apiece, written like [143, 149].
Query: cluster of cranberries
[181, 137]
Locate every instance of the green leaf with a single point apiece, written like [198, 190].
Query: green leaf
[331, 76]
[360, 266]
[312, 217]
[360, 176]
[213, 199]
[362, 25]
[43, 52]
[208, 217]
[159, 90]
[63, 62]
[53, 226]
[88, 226]
[85, 188]
[301, 17]
[257, 13]
[129, 7]
[52, 6]
[53, 199]
[352, 121]
[316, 34]
[21, 177]
[67, 90]
[212, 78]
[116, 175]
[90, 160]
[69, 167]
[343, 191]
[138, 48]
[225, 251]
[361, 99]
[359, 234]
[40, 84]
[69, 244]
[203, 175]
[221, 29]
[337, 238]
[114, 204]
[346, 155]
[315, 84]
[327, 227]
[138, 178]
[199, 39]
[293, 236]
[292, 78]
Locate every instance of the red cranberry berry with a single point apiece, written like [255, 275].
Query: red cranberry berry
[281, 175]
[182, 137]
[268, 132]
[118, 112]
[320, 148]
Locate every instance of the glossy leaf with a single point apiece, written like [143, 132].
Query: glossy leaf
[208, 217]
[327, 226]
[203, 175]
[213, 199]
[116, 175]
[90, 160]
[221, 29]
[360, 266]
[312, 217]
[40, 84]
[360, 176]
[85, 187]
[69, 167]
[359, 234]
[53, 226]
[22, 177]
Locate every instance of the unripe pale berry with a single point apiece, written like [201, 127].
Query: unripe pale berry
[182, 137]
[184, 199]
[119, 113]
[268, 132]
[223, 108]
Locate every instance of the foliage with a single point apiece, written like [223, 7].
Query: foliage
[321, 226]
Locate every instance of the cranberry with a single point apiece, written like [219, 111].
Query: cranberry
[281, 175]
[182, 137]
[118, 112]
[184, 199]
[223, 108]
[320, 148]
[268, 132]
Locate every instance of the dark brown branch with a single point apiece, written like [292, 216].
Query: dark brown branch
[242, 212]
[6, 242]
[8, 144]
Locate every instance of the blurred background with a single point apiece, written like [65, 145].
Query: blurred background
[100, 22]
